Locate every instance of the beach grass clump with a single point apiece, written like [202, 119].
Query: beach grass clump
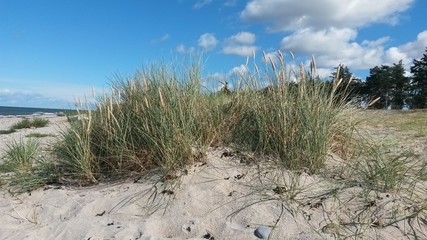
[292, 119]
[74, 151]
[39, 122]
[21, 155]
[8, 131]
[24, 123]
[157, 119]
[381, 166]
[27, 123]
[39, 135]
[27, 169]
[384, 172]
[160, 118]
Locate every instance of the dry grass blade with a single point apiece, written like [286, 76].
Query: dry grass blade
[374, 101]
[313, 67]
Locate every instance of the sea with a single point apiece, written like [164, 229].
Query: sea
[8, 111]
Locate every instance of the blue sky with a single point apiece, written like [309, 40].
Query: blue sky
[53, 51]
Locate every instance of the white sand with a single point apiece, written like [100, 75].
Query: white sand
[204, 204]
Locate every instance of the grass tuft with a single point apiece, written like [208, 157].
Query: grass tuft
[27, 123]
[9, 131]
[39, 135]
[28, 169]
[294, 119]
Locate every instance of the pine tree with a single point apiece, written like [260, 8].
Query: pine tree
[390, 84]
[400, 85]
[378, 85]
[419, 81]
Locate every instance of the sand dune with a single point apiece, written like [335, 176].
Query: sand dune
[222, 198]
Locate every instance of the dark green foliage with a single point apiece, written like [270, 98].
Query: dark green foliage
[27, 123]
[24, 123]
[419, 81]
[394, 88]
[39, 135]
[39, 122]
[7, 131]
[28, 170]
[390, 84]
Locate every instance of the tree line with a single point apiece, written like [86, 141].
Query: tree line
[389, 83]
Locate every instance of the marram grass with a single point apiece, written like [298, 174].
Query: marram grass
[160, 119]
[26, 168]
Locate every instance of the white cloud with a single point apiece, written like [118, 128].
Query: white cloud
[395, 54]
[291, 15]
[241, 44]
[328, 29]
[334, 46]
[243, 51]
[201, 3]
[243, 38]
[240, 70]
[322, 41]
[207, 41]
[376, 43]
[324, 73]
[408, 51]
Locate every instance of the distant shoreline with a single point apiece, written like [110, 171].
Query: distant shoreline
[24, 111]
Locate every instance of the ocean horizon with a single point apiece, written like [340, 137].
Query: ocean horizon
[11, 111]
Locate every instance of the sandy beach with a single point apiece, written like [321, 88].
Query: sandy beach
[224, 197]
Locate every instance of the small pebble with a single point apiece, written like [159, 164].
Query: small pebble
[262, 232]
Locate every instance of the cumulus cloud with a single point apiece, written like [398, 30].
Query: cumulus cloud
[241, 44]
[338, 46]
[376, 43]
[334, 46]
[239, 50]
[207, 41]
[290, 15]
[322, 41]
[409, 51]
[328, 30]
[243, 38]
